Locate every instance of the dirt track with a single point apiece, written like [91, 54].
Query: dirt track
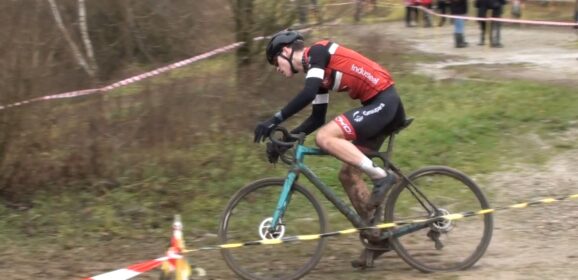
[543, 54]
[535, 243]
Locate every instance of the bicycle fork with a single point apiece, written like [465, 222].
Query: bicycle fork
[283, 201]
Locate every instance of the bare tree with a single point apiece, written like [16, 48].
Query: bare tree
[84, 33]
[254, 18]
[243, 29]
[52, 46]
[86, 61]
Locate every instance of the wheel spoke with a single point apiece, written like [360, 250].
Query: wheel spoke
[442, 246]
[250, 219]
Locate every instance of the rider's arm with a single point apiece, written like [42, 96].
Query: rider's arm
[319, 58]
[317, 117]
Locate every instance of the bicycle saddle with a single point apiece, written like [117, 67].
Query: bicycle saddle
[405, 124]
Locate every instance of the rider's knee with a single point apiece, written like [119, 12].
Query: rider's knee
[322, 139]
[327, 134]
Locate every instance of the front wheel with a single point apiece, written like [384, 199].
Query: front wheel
[247, 217]
[443, 245]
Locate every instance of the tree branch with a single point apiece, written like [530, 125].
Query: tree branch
[74, 48]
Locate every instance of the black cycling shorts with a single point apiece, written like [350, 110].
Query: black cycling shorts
[368, 125]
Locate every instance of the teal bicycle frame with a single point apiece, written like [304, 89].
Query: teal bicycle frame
[298, 167]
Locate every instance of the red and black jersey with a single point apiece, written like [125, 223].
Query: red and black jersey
[333, 67]
[346, 70]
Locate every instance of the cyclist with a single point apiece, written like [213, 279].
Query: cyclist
[330, 66]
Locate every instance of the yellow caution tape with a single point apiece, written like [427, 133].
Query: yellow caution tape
[454, 216]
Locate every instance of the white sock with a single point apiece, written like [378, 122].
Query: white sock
[374, 172]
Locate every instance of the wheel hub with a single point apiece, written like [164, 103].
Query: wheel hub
[266, 232]
[442, 225]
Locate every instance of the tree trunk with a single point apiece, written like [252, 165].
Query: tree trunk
[85, 38]
[244, 27]
[80, 59]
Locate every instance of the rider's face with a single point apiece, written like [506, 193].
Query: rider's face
[282, 63]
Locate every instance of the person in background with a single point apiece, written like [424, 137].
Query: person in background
[459, 8]
[426, 16]
[496, 7]
[516, 9]
[410, 12]
[443, 8]
[576, 15]
[360, 6]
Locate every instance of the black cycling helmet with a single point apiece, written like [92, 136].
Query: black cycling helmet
[280, 40]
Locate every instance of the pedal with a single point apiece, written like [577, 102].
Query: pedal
[374, 234]
[435, 237]
[369, 259]
[364, 261]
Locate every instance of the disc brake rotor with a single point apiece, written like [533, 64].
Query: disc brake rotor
[265, 231]
[442, 225]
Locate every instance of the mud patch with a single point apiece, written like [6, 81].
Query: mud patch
[549, 55]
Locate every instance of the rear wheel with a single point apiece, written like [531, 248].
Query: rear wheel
[247, 217]
[444, 245]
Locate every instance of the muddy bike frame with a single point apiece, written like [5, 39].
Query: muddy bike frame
[298, 167]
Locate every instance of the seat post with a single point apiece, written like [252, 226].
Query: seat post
[405, 124]
[390, 146]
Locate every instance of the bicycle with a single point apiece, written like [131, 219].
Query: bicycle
[280, 208]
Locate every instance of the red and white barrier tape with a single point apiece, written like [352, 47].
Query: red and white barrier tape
[135, 78]
[172, 262]
[133, 270]
[339, 4]
[127, 81]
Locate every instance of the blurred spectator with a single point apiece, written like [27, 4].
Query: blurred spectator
[426, 16]
[359, 7]
[410, 12]
[443, 8]
[459, 8]
[576, 15]
[496, 6]
[516, 10]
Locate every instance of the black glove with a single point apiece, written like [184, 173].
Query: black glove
[263, 129]
[274, 151]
